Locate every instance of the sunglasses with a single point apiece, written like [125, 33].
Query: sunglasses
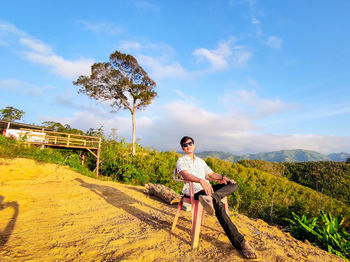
[187, 144]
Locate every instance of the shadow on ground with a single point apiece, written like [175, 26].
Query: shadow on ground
[6, 233]
[123, 201]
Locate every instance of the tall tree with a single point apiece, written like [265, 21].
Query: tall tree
[10, 113]
[121, 81]
[56, 126]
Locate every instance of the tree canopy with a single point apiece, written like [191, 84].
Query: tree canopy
[56, 126]
[10, 113]
[122, 82]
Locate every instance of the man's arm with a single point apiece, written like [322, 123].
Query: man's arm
[215, 176]
[218, 177]
[189, 177]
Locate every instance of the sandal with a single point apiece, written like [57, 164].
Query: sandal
[249, 253]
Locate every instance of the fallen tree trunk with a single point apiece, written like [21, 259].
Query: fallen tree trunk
[165, 193]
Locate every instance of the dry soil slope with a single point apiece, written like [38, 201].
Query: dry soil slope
[51, 213]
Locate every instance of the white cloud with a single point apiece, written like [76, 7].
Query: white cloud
[254, 143]
[180, 93]
[21, 87]
[59, 65]
[255, 21]
[251, 3]
[241, 56]
[40, 53]
[12, 84]
[253, 83]
[36, 51]
[185, 97]
[159, 69]
[8, 32]
[93, 119]
[145, 5]
[328, 110]
[228, 132]
[130, 46]
[101, 27]
[257, 24]
[35, 45]
[165, 50]
[225, 55]
[163, 65]
[250, 104]
[225, 132]
[274, 42]
[190, 117]
[218, 62]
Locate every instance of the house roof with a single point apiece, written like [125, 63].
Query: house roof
[16, 125]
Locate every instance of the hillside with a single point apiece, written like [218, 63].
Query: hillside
[50, 213]
[327, 177]
[297, 155]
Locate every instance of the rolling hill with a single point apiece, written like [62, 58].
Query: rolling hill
[296, 155]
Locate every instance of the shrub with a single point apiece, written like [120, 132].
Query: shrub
[324, 231]
[12, 148]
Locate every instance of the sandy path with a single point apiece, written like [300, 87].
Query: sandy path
[51, 213]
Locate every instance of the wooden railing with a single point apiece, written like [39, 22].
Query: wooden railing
[59, 139]
[67, 140]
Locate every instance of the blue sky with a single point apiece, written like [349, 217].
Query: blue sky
[240, 76]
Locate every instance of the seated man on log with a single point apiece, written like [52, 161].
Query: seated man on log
[193, 168]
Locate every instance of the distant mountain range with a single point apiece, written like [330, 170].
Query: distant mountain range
[297, 155]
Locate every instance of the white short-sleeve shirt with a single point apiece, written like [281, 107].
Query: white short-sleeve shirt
[196, 167]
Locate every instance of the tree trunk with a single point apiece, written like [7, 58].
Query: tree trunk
[165, 193]
[133, 133]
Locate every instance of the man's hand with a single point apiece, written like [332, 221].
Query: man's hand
[226, 179]
[207, 187]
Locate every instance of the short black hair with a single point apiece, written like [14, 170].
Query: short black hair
[184, 139]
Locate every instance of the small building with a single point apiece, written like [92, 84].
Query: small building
[16, 130]
[45, 137]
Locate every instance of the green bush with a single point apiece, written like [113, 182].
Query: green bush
[147, 166]
[10, 148]
[324, 231]
[328, 177]
[271, 198]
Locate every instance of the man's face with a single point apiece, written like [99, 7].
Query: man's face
[188, 146]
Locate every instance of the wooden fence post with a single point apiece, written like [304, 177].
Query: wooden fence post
[98, 156]
[82, 159]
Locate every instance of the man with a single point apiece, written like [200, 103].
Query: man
[193, 168]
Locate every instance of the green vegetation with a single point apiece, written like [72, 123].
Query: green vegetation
[147, 166]
[272, 198]
[10, 148]
[58, 127]
[123, 83]
[10, 113]
[264, 188]
[324, 231]
[328, 177]
[259, 195]
[274, 168]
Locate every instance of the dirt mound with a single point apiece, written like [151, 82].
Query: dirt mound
[50, 213]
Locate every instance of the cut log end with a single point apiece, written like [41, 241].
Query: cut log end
[165, 193]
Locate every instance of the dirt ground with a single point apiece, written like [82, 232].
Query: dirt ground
[51, 213]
